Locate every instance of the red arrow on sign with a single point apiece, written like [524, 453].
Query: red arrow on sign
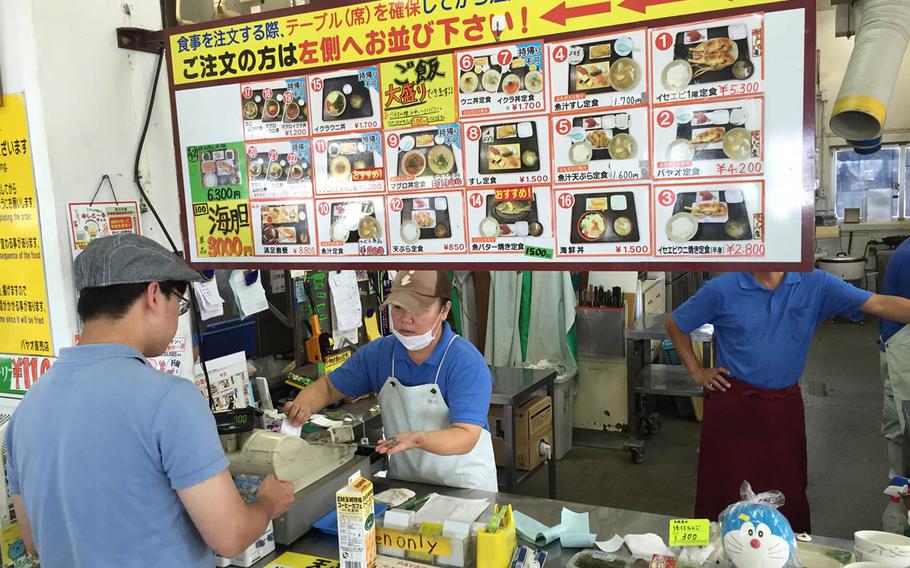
[642, 5]
[561, 12]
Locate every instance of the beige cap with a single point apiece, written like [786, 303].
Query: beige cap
[416, 290]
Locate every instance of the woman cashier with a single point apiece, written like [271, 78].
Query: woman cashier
[434, 390]
[754, 425]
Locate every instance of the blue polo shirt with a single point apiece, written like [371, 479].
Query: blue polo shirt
[98, 448]
[896, 283]
[465, 381]
[762, 336]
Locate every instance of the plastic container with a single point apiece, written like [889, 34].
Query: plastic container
[228, 337]
[596, 559]
[894, 519]
[565, 389]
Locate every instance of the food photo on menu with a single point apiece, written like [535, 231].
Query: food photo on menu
[605, 71]
[275, 109]
[492, 81]
[603, 66]
[281, 224]
[508, 152]
[354, 220]
[349, 163]
[280, 169]
[709, 139]
[604, 218]
[598, 147]
[429, 223]
[345, 100]
[512, 218]
[731, 213]
[219, 168]
[425, 158]
[708, 60]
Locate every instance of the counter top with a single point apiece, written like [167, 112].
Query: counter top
[605, 522]
[512, 385]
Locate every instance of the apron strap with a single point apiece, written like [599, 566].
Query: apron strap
[441, 361]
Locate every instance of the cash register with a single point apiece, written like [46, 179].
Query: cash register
[316, 470]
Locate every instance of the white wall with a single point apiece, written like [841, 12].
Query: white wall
[86, 101]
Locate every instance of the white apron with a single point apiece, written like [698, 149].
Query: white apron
[421, 408]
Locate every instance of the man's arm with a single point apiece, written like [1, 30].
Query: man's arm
[25, 525]
[455, 441]
[310, 400]
[893, 308]
[228, 524]
[711, 379]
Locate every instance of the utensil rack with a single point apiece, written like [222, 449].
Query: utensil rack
[648, 378]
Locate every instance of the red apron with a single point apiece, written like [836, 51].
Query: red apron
[755, 435]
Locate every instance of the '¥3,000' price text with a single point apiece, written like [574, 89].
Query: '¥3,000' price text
[225, 246]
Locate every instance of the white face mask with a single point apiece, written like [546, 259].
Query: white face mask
[416, 342]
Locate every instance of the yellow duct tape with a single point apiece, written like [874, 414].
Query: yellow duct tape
[861, 103]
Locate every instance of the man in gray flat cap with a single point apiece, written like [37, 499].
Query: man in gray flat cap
[112, 463]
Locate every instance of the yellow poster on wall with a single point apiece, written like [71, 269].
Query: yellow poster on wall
[223, 228]
[418, 92]
[25, 327]
[388, 28]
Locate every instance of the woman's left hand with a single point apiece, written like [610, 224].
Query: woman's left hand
[401, 443]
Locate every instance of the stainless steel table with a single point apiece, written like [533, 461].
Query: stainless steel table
[605, 522]
[512, 387]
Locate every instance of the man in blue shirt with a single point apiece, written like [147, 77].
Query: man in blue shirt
[895, 360]
[113, 464]
[754, 422]
[434, 389]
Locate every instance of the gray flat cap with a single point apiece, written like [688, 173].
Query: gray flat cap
[127, 258]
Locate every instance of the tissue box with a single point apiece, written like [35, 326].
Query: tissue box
[253, 554]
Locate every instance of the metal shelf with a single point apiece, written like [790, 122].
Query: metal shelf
[672, 380]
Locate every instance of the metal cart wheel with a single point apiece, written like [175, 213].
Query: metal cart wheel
[637, 455]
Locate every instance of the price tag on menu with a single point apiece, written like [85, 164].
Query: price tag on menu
[690, 532]
[372, 247]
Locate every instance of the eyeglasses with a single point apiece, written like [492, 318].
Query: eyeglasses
[184, 302]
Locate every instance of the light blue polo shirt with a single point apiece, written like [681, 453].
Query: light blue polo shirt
[762, 336]
[98, 448]
[897, 283]
[465, 381]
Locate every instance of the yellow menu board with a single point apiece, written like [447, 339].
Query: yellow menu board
[418, 92]
[390, 28]
[25, 327]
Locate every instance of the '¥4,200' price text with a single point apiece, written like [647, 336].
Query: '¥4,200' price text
[225, 246]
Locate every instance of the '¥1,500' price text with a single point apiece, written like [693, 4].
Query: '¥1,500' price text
[225, 246]
[632, 249]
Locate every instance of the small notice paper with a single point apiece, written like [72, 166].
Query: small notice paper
[690, 532]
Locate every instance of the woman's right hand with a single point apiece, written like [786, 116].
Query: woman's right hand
[297, 411]
[713, 379]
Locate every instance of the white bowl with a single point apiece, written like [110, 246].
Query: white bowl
[867, 558]
[886, 548]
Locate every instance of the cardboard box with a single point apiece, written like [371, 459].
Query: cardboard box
[533, 425]
[356, 523]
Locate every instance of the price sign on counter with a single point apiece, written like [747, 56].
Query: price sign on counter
[690, 532]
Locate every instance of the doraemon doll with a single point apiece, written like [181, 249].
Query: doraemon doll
[756, 535]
